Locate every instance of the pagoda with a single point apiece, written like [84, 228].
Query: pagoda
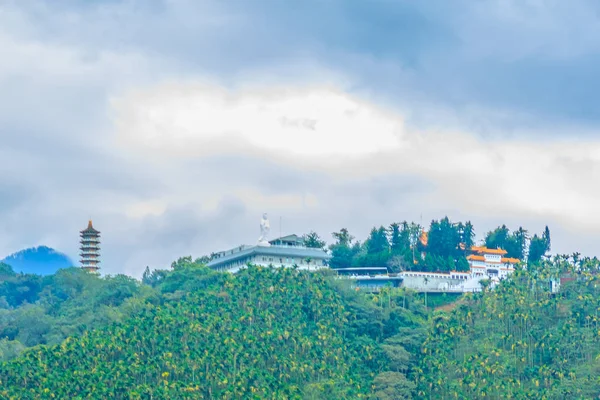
[90, 249]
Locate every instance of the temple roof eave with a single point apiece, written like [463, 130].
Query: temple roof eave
[274, 251]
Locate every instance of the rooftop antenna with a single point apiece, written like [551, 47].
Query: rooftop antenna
[280, 218]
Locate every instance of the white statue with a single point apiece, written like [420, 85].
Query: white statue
[265, 227]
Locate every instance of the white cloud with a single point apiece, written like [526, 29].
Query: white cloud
[189, 166]
[191, 119]
[347, 138]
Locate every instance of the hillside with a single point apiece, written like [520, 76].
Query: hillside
[38, 309]
[519, 340]
[259, 334]
[190, 332]
[41, 260]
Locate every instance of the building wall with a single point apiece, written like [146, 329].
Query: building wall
[493, 257]
[265, 261]
[424, 281]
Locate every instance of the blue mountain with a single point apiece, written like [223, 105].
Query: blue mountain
[39, 260]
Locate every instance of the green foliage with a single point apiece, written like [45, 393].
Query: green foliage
[378, 241]
[398, 238]
[519, 340]
[498, 238]
[343, 237]
[517, 242]
[6, 271]
[444, 239]
[343, 251]
[262, 333]
[313, 240]
[393, 247]
[36, 310]
[446, 246]
[538, 247]
[392, 386]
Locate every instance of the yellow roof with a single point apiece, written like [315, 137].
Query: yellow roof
[485, 250]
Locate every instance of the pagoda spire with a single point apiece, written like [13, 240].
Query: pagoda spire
[90, 248]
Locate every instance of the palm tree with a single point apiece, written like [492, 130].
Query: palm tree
[426, 281]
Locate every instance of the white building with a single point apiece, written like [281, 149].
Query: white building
[490, 263]
[286, 251]
[484, 263]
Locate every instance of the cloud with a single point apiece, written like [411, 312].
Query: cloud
[190, 119]
[474, 175]
[175, 124]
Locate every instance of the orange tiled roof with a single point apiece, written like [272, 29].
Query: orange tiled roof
[510, 260]
[485, 250]
[474, 257]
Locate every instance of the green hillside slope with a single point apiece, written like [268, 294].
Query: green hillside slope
[519, 341]
[259, 334]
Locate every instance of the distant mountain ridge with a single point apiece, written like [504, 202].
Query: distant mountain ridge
[41, 260]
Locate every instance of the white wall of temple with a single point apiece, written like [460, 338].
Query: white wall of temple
[492, 257]
[456, 281]
[434, 283]
[266, 260]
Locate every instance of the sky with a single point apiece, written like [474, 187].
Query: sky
[174, 124]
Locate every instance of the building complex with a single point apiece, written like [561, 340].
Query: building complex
[290, 251]
[286, 251]
[485, 264]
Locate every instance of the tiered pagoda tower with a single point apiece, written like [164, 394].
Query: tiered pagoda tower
[90, 249]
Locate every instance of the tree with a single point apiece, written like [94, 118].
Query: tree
[10, 349]
[313, 240]
[377, 241]
[343, 251]
[203, 260]
[398, 263]
[343, 237]
[468, 235]
[497, 238]
[146, 277]
[537, 249]
[521, 239]
[6, 271]
[462, 264]
[392, 386]
[444, 238]
[396, 243]
[514, 243]
[375, 251]
[182, 262]
[546, 238]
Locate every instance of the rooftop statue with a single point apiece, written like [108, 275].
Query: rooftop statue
[265, 228]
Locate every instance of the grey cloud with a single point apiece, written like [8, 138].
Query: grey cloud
[535, 61]
[61, 165]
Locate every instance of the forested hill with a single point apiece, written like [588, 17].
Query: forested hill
[190, 332]
[262, 333]
[520, 341]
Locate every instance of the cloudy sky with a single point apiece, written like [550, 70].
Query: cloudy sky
[174, 124]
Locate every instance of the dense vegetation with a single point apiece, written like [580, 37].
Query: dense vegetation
[262, 333]
[403, 246]
[46, 310]
[520, 340]
[190, 332]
